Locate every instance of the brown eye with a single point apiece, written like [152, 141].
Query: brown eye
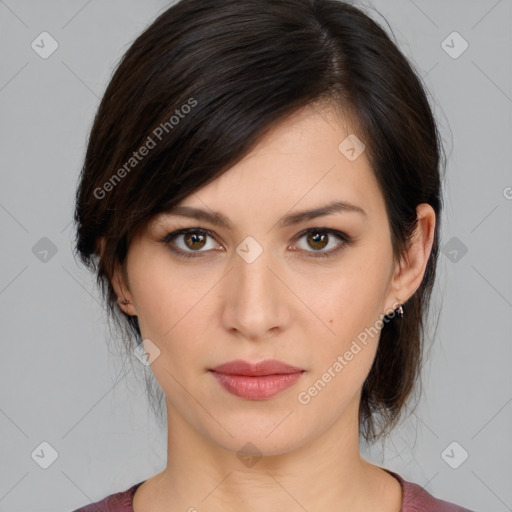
[194, 240]
[317, 239]
[190, 242]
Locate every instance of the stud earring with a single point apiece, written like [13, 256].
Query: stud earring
[399, 310]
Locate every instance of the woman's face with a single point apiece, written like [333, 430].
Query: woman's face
[272, 285]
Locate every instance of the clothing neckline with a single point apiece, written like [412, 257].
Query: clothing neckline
[405, 494]
[405, 491]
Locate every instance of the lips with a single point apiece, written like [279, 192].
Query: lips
[256, 381]
[267, 367]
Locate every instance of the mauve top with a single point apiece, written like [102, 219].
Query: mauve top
[414, 499]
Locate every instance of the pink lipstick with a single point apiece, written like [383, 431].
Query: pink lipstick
[256, 381]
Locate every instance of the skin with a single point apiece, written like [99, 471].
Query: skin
[286, 305]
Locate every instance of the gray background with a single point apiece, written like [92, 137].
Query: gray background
[60, 381]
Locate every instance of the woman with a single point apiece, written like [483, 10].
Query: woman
[260, 199]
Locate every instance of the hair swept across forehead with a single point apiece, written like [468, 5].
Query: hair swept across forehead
[203, 83]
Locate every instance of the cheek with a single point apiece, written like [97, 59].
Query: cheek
[161, 293]
[341, 361]
[350, 351]
[174, 308]
[350, 308]
[348, 302]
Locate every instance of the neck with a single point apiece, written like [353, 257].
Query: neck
[327, 473]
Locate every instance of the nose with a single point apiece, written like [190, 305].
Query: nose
[257, 302]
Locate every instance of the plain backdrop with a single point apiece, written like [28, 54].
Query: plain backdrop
[60, 384]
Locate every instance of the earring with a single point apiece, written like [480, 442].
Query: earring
[400, 311]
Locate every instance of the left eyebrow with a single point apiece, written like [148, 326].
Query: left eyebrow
[218, 219]
[328, 209]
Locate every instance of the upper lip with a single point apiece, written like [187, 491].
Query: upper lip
[267, 367]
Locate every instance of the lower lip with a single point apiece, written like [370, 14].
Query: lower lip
[256, 388]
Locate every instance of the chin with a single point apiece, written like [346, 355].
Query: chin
[252, 440]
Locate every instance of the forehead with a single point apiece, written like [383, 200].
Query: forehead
[302, 155]
[300, 163]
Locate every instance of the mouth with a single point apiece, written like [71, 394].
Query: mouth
[256, 381]
[266, 367]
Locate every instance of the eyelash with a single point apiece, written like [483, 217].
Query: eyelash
[168, 239]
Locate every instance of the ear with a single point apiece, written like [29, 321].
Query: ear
[409, 272]
[119, 281]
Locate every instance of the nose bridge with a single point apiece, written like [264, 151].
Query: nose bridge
[255, 282]
[257, 303]
[254, 276]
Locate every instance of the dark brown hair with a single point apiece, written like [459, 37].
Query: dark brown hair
[201, 85]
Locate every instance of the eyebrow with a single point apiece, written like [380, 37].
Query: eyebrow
[217, 219]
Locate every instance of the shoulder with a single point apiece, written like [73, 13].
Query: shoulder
[118, 502]
[417, 499]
